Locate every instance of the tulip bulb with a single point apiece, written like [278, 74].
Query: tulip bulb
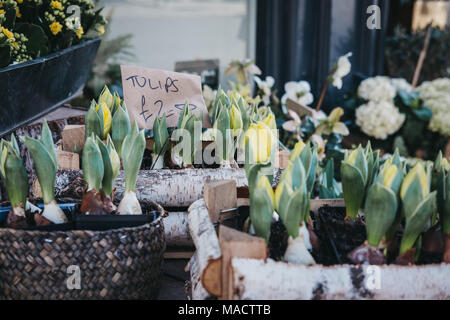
[46, 163]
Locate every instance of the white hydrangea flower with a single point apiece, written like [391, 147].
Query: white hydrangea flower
[436, 96]
[343, 68]
[401, 84]
[379, 119]
[377, 89]
[299, 92]
[266, 87]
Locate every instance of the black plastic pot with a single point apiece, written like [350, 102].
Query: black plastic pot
[30, 90]
[79, 221]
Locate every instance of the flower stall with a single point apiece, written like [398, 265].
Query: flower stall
[336, 187]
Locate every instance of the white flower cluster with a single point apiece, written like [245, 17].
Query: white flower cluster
[436, 96]
[300, 92]
[377, 89]
[402, 84]
[265, 88]
[343, 68]
[379, 119]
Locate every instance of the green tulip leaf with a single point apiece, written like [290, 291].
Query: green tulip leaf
[108, 174]
[297, 210]
[416, 222]
[380, 212]
[44, 165]
[261, 212]
[353, 186]
[93, 166]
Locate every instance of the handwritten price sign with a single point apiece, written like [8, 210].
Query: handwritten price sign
[149, 93]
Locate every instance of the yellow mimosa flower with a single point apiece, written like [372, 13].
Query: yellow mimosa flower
[56, 5]
[100, 29]
[18, 14]
[2, 11]
[56, 28]
[7, 33]
[80, 32]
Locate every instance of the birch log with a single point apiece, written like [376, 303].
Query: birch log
[169, 188]
[208, 249]
[296, 282]
[176, 229]
[197, 289]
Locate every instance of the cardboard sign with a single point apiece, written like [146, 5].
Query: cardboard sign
[298, 108]
[149, 93]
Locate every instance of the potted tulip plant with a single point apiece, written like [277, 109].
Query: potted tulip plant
[56, 238]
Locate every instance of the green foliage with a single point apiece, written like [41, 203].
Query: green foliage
[329, 187]
[37, 28]
[403, 50]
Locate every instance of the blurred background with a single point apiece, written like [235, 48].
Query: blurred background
[289, 40]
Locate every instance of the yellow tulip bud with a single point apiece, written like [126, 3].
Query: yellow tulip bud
[298, 148]
[264, 183]
[389, 175]
[270, 121]
[352, 157]
[260, 138]
[107, 119]
[235, 118]
[107, 98]
[423, 178]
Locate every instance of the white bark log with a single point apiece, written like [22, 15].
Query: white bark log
[207, 243]
[169, 188]
[197, 290]
[177, 231]
[295, 282]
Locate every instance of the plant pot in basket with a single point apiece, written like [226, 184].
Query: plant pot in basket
[121, 263]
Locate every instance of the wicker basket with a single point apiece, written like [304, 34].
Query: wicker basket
[115, 264]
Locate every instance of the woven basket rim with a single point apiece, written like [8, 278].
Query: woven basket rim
[159, 208]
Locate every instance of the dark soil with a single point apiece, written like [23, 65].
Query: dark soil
[337, 236]
[278, 240]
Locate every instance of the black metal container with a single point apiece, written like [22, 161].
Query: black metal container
[30, 90]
